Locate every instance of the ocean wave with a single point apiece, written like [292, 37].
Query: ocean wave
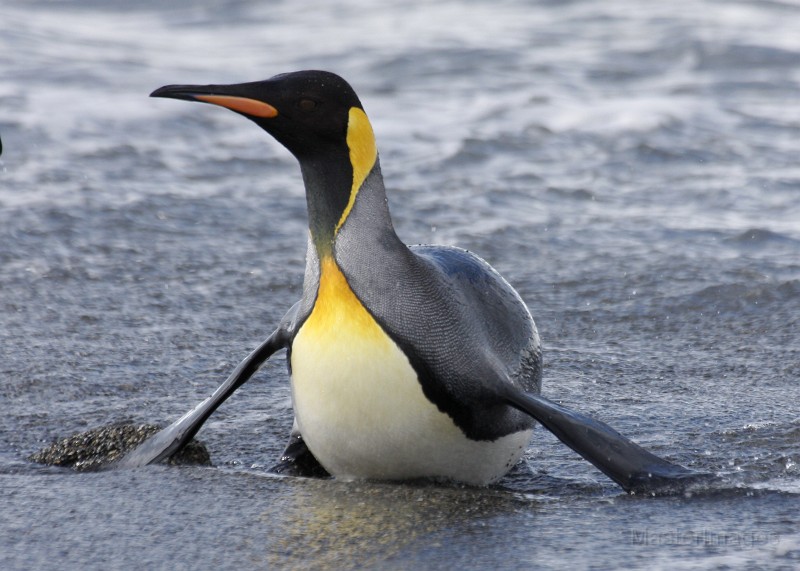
[735, 297]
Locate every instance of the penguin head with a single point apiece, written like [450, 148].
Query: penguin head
[308, 112]
[318, 117]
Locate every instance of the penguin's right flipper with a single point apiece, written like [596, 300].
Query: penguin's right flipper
[173, 438]
[632, 467]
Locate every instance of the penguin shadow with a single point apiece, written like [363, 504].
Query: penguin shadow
[321, 523]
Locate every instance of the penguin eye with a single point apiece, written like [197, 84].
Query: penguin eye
[306, 105]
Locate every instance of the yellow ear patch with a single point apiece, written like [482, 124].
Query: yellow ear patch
[252, 107]
[363, 154]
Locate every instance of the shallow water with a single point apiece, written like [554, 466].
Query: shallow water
[631, 169]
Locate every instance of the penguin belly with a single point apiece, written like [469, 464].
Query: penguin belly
[361, 409]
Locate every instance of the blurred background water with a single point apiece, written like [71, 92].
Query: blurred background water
[630, 167]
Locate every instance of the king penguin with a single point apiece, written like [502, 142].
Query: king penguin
[406, 362]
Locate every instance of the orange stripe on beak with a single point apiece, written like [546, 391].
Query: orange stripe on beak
[251, 107]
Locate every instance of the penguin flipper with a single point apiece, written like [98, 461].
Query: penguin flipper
[167, 442]
[632, 467]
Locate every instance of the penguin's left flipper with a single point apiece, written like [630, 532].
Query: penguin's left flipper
[173, 438]
[632, 467]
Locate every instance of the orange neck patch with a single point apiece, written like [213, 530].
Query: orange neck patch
[337, 309]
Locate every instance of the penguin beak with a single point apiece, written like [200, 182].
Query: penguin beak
[222, 95]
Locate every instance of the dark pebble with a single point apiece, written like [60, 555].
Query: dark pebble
[98, 447]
